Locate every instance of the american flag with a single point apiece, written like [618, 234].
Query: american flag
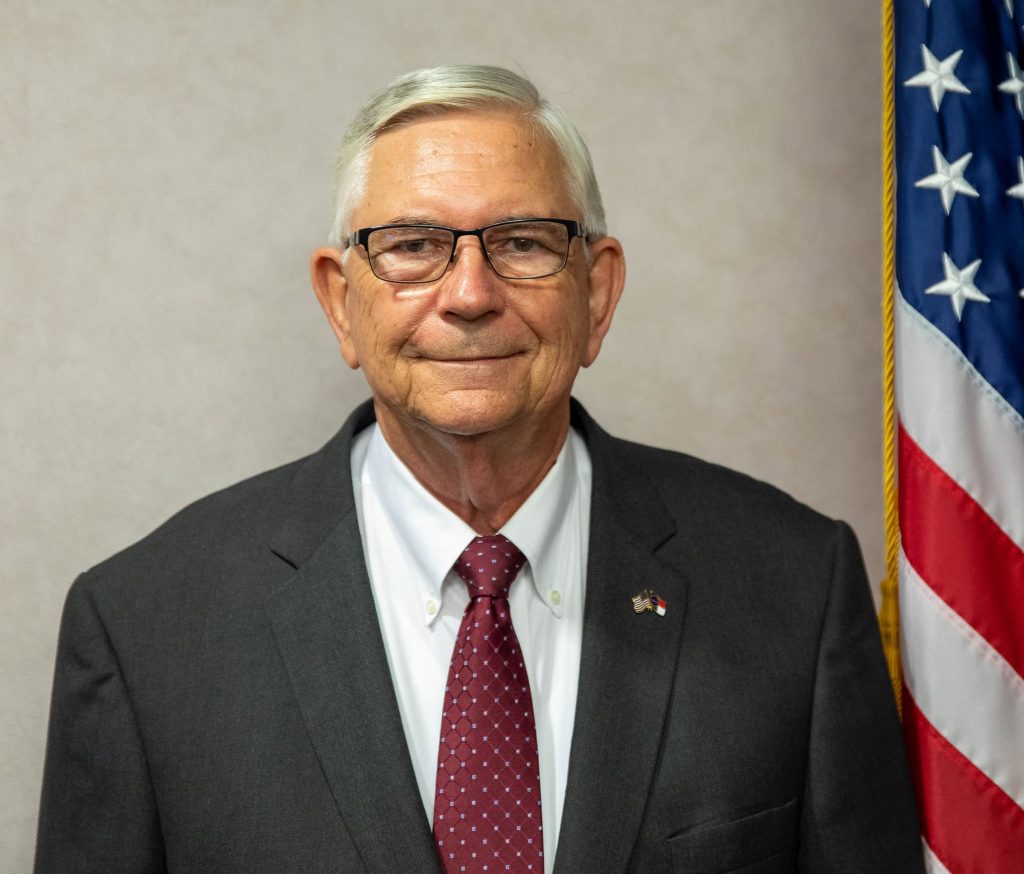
[647, 602]
[958, 93]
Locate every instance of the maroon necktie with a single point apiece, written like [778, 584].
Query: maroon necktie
[487, 802]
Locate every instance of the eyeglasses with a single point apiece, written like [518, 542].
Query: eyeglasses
[529, 249]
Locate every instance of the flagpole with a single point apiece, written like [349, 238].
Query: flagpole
[889, 616]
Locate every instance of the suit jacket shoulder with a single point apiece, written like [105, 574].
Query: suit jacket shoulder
[209, 543]
[725, 496]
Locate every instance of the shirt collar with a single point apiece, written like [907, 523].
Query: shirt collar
[538, 524]
[433, 537]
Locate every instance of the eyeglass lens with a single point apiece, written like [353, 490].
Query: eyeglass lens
[516, 250]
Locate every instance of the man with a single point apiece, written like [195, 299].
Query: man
[474, 632]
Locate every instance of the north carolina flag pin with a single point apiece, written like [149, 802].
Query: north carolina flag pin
[647, 602]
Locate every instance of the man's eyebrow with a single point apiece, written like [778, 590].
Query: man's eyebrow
[413, 220]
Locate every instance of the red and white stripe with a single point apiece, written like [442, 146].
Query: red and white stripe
[961, 496]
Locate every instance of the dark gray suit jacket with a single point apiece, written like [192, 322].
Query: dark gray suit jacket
[222, 699]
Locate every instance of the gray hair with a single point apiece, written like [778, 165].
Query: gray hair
[435, 90]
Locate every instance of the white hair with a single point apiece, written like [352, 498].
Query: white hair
[435, 90]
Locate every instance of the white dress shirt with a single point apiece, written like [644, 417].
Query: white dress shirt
[411, 541]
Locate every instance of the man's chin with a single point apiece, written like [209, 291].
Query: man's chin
[473, 412]
[469, 413]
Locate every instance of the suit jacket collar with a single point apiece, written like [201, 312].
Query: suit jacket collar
[321, 493]
[325, 623]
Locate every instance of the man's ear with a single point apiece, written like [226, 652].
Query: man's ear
[607, 274]
[331, 288]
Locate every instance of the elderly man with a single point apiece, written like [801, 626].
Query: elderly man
[474, 632]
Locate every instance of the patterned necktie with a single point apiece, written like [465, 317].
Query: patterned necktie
[487, 801]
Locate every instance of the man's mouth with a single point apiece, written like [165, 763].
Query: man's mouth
[482, 357]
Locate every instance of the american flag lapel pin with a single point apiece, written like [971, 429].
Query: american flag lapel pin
[647, 602]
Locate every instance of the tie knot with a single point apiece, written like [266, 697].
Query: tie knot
[489, 565]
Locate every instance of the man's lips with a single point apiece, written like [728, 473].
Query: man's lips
[479, 360]
[470, 359]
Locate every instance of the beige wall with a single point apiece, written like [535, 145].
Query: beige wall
[165, 173]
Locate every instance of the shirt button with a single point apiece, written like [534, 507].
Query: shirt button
[431, 607]
[556, 597]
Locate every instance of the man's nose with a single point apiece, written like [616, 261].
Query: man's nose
[470, 289]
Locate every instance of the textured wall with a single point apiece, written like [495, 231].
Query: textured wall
[165, 173]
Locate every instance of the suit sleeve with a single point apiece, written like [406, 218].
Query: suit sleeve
[858, 811]
[98, 812]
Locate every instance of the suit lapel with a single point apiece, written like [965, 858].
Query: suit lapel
[627, 667]
[325, 624]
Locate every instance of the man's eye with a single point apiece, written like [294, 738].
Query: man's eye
[519, 246]
[403, 247]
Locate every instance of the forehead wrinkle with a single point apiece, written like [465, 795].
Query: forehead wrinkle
[449, 147]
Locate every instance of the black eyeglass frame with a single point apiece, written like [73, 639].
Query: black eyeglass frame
[574, 228]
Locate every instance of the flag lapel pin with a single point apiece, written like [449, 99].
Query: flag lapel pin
[647, 602]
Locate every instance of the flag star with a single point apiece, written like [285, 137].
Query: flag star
[1009, 7]
[1015, 84]
[938, 77]
[948, 179]
[958, 285]
[1018, 189]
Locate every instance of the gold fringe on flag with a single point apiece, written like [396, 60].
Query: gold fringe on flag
[889, 615]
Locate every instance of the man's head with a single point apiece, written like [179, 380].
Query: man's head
[467, 352]
[436, 90]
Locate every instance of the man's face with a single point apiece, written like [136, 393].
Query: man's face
[471, 352]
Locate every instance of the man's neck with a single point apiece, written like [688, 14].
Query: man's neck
[482, 478]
